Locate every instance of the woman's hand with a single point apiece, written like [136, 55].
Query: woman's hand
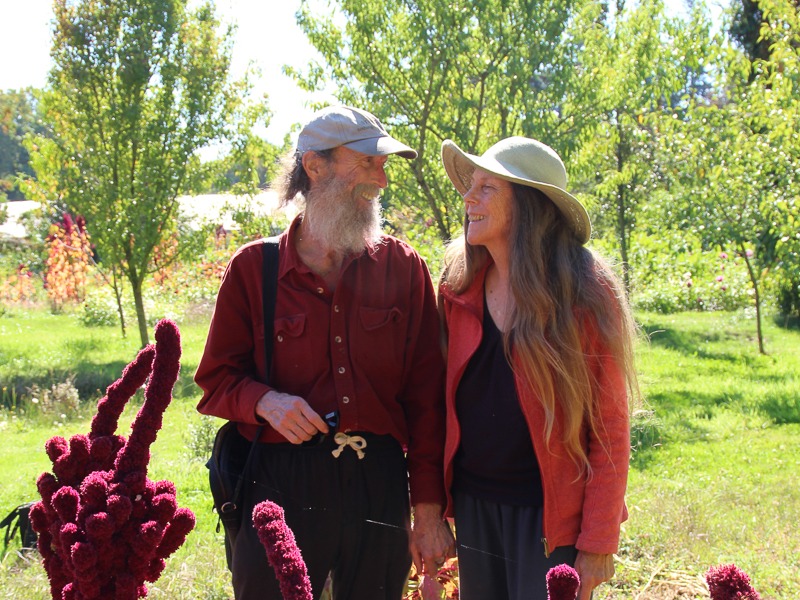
[593, 569]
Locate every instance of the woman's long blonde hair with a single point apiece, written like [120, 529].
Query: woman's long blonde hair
[556, 283]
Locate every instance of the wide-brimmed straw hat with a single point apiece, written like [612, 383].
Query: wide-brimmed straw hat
[524, 161]
[353, 128]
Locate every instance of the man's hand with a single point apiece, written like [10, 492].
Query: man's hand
[432, 541]
[291, 416]
[593, 569]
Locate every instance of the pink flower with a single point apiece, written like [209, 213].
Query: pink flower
[723, 255]
[282, 551]
[562, 583]
[728, 582]
[719, 277]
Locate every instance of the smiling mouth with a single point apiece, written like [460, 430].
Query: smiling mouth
[473, 218]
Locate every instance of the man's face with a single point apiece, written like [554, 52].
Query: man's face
[364, 176]
[342, 207]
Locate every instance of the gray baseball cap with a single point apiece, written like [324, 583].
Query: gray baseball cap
[353, 128]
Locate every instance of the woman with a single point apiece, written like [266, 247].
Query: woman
[539, 365]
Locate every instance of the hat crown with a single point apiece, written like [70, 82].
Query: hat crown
[529, 159]
[356, 129]
[338, 125]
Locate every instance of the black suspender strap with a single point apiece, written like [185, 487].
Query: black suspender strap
[269, 292]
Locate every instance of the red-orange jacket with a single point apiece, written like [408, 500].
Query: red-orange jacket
[577, 512]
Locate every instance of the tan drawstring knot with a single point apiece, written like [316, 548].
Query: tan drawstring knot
[356, 442]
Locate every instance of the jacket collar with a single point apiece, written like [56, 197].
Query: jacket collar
[472, 298]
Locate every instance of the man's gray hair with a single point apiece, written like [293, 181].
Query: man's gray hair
[292, 179]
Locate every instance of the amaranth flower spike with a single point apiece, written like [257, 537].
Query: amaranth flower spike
[105, 528]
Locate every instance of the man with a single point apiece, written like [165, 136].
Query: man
[356, 342]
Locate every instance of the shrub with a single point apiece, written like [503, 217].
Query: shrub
[199, 438]
[674, 273]
[100, 307]
[60, 401]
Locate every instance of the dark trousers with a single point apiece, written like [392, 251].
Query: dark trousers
[349, 518]
[500, 551]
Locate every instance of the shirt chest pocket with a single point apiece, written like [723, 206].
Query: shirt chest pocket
[382, 333]
[292, 346]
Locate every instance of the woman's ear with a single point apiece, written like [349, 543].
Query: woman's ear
[316, 166]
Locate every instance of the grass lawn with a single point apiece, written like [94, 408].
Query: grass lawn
[713, 476]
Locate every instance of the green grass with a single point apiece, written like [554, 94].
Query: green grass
[713, 476]
[37, 347]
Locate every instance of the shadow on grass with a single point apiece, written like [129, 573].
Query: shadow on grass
[90, 379]
[701, 403]
[646, 438]
[783, 408]
[690, 343]
[790, 323]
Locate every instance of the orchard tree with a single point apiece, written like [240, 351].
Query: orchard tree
[137, 89]
[474, 72]
[736, 160]
[636, 65]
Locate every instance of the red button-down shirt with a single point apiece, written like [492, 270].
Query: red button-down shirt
[370, 349]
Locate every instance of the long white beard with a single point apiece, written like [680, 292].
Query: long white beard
[337, 218]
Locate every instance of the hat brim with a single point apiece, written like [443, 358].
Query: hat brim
[382, 146]
[459, 166]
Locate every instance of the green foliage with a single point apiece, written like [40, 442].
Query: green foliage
[200, 436]
[18, 118]
[136, 91]
[734, 161]
[675, 273]
[636, 63]
[439, 69]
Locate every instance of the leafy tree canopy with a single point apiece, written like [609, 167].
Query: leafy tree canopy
[138, 88]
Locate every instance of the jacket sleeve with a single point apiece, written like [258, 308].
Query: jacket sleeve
[604, 507]
[228, 372]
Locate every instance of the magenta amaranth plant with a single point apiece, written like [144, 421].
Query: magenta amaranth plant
[282, 551]
[562, 583]
[729, 582]
[105, 528]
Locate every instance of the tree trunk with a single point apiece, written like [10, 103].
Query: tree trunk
[140, 315]
[754, 281]
[622, 236]
[622, 225]
[118, 297]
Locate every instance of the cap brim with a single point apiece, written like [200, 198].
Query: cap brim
[382, 146]
[459, 166]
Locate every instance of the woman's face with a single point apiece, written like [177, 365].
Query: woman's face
[489, 206]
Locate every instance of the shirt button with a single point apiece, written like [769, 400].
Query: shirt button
[280, 338]
[345, 400]
[336, 308]
[320, 290]
[341, 370]
[338, 339]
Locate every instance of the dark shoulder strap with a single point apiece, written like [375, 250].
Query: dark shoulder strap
[269, 291]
